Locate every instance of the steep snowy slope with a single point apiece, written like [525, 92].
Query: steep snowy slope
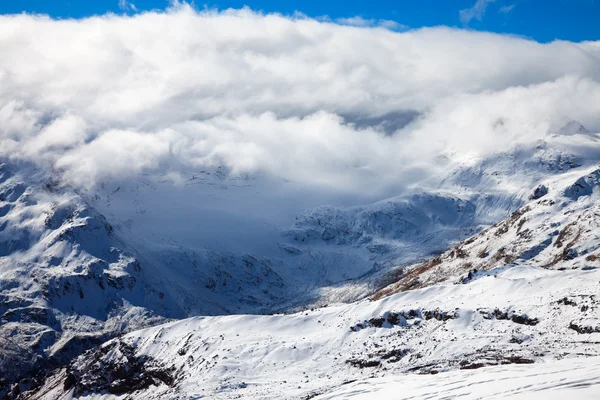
[520, 315]
[558, 229]
[67, 281]
[471, 195]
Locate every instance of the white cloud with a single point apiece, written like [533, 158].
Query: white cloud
[507, 9]
[370, 23]
[127, 6]
[356, 21]
[392, 25]
[295, 98]
[475, 12]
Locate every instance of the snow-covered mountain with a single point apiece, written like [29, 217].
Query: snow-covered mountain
[516, 315]
[237, 204]
[556, 229]
[68, 281]
[81, 266]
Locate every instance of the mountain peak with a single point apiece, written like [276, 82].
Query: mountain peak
[571, 128]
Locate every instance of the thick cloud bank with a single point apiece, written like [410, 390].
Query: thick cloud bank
[320, 103]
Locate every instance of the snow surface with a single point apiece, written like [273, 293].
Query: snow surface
[316, 352]
[557, 380]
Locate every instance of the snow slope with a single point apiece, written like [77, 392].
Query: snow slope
[557, 380]
[522, 315]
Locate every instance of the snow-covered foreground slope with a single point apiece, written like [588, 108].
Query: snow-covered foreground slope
[518, 315]
[554, 380]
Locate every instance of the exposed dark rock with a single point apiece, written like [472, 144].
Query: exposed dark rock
[364, 363]
[128, 374]
[539, 192]
[439, 315]
[393, 355]
[583, 329]
[497, 360]
[377, 322]
[500, 315]
[524, 320]
[401, 318]
[567, 302]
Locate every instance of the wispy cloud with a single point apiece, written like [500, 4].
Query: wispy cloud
[127, 5]
[475, 12]
[361, 22]
[392, 25]
[507, 9]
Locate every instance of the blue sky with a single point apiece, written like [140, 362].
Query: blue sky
[542, 20]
